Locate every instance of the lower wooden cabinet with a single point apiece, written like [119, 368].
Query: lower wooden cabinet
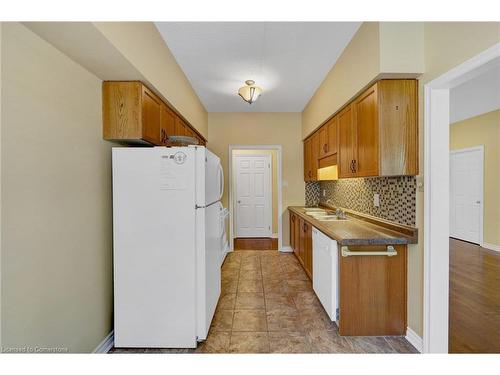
[301, 242]
[373, 293]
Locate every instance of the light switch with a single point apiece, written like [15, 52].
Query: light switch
[376, 200]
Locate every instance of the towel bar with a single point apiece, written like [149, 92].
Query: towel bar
[391, 251]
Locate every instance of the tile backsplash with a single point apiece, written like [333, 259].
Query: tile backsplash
[397, 196]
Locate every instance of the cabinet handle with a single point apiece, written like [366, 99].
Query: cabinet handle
[309, 174]
[325, 148]
[352, 170]
[391, 251]
[354, 166]
[293, 219]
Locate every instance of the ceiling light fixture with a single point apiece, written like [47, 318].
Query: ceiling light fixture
[250, 93]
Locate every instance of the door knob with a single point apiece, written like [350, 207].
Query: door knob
[239, 201]
[478, 202]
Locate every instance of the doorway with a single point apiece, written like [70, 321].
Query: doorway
[255, 197]
[437, 225]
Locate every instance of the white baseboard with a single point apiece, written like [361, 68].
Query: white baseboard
[106, 344]
[414, 339]
[286, 249]
[491, 246]
[274, 235]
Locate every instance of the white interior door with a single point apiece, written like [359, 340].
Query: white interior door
[466, 194]
[253, 196]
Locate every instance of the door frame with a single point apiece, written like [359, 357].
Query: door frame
[269, 158]
[278, 149]
[481, 198]
[437, 195]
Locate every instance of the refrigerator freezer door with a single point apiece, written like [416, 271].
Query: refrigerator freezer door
[209, 245]
[154, 247]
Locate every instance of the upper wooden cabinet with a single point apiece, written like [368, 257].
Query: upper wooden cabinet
[328, 138]
[167, 123]
[366, 127]
[376, 134]
[347, 143]
[311, 155]
[307, 160]
[133, 114]
[151, 107]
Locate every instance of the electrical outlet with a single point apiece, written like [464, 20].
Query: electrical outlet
[376, 200]
[420, 184]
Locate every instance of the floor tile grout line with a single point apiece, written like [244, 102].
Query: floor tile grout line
[265, 308]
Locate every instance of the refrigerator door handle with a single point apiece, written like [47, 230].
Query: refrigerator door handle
[221, 220]
[221, 181]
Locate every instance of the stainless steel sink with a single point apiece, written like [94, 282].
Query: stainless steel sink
[330, 218]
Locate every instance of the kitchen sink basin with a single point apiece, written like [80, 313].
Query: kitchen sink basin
[316, 213]
[330, 218]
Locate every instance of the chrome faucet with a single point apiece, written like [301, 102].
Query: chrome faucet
[340, 214]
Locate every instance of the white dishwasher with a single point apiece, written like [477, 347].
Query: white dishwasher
[325, 272]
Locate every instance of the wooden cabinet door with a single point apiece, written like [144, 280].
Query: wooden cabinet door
[323, 141]
[292, 231]
[367, 133]
[308, 250]
[307, 160]
[167, 123]
[297, 235]
[333, 138]
[373, 293]
[302, 240]
[180, 126]
[150, 117]
[314, 156]
[347, 143]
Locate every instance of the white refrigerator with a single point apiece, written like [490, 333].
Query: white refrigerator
[167, 233]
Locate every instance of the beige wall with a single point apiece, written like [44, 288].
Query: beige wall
[274, 180]
[283, 129]
[144, 48]
[476, 131]
[356, 67]
[378, 49]
[401, 47]
[56, 195]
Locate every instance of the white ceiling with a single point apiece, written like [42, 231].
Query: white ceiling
[476, 96]
[288, 60]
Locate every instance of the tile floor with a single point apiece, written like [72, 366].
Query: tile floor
[267, 305]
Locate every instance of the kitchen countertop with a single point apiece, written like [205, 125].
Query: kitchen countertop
[359, 229]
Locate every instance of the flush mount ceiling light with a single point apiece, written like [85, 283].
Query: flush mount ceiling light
[250, 93]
